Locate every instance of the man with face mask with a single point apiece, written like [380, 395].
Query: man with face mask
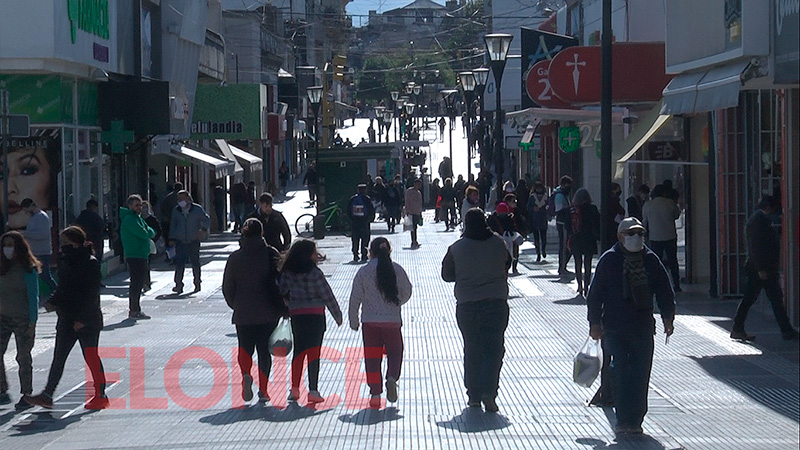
[188, 226]
[135, 235]
[620, 311]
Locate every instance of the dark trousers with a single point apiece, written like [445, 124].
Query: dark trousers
[563, 252]
[753, 286]
[184, 251]
[360, 237]
[165, 233]
[220, 213]
[238, 216]
[138, 269]
[307, 332]
[667, 252]
[631, 362]
[88, 336]
[583, 269]
[24, 337]
[415, 219]
[540, 241]
[483, 325]
[450, 215]
[254, 338]
[377, 340]
[391, 217]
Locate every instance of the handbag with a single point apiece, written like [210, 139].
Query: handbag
[153, 248]
[587, 363]
[281, 338]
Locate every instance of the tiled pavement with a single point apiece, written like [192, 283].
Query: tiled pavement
[707, 392]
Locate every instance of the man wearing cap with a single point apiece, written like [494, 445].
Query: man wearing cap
[362, 213]
[620, 304]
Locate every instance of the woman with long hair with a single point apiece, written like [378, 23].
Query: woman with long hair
[537, 219]
[379, 289]
[307, 293]
[77, 303]
[585, 225]
[19, 310]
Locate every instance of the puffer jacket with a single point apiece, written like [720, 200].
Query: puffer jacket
[250, 283]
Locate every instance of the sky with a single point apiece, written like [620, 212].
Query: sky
[358, 8]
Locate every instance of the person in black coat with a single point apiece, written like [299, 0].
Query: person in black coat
[361, 212]
[76, 300]
[93, 225]
[276, 229]
[584, 234]
[250, 287]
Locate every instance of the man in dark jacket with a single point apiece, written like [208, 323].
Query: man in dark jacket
[93, 225]
[276, 229]
[362, 213]
[620, 304]
[189, 225]
[761, 271]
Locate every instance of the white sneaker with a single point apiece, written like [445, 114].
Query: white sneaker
[315, 397]
[247, 387]
[391, 390]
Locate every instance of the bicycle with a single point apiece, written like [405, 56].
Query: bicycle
[335, 220]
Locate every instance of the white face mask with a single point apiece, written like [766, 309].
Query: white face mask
[182, 203]
[633, 243]
[9, 252]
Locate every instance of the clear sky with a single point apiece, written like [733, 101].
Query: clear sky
[359, 9]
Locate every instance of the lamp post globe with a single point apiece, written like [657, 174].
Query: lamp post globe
[497, 46]
[481, 75]
[448, 96]
[468, 86]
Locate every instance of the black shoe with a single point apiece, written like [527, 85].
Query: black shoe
[364, 259]
[742, 335]
[197, 287]
[178, 289]
[791, 335]
[4, 398]
[44, 400]
[490, 405]
[138, 315]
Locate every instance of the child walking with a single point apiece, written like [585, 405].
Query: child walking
[379, 289]
[307, 293]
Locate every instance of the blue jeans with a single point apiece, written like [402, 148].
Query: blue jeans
[631, 362]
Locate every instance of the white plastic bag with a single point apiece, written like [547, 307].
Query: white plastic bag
[587, 363]
[281, 337]
[408, 223]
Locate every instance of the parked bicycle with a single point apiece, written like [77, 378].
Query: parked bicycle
[335, 220]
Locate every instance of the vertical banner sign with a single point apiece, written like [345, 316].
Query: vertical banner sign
[539, 46]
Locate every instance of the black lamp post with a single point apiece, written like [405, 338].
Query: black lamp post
[314, 97]
[387, 122]
[409, 117]
[379, 115]
[468, 86]
[497, 45]
[481, 76]
[395, 96]
[448, 95]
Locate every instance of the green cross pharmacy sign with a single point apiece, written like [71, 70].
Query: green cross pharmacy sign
[569, 139]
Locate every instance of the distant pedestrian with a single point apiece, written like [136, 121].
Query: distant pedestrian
[77, 303]
[379, 290]
[617, 212]
[220, 211]
[136, 235]
[311, 180]
[442, 124]
[446, 168]
[283, 176]
[276, 228]
[189, 226]
[660, 215]
[522, 192]
[307, 293]
[537, 219]
[435, 200]
[250, 287]
[238, 196]
[481, 292]
[561, 201]
[38, 234]
[460, 185]
[448, 205]
[413, 208]
[636, 202]
[620, 311]
[167, 207]
[361, 213]
[19, 311]
[393, 200]
[471, 200]
[585, 232]
[762, 271]
[93, 225]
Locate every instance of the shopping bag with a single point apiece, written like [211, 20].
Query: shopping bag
[171, 252]
[408, 223]
[587, 363]
[281, 338]
[153, 247]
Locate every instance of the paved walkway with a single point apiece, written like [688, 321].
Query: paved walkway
[707, 392]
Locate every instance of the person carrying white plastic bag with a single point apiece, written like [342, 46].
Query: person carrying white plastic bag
[587, 363]
[281, 338]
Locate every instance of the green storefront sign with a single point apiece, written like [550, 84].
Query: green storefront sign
[90, 16]
[49, 99]
[228, 112]
[569, 139]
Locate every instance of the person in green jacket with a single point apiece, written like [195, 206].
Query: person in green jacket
[136, 235]
[19, 309]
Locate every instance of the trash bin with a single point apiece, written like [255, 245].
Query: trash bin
[319, 226]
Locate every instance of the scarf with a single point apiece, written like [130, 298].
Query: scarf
[635, 285]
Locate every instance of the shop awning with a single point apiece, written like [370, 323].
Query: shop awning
[221, 167]
[228, 154]
[648, 125]
[345, 106]
[554, 114]
[250, 159]
[704, 91]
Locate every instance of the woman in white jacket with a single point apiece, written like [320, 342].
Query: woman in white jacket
[379, 289]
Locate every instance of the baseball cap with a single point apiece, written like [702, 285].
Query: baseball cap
[630, 224]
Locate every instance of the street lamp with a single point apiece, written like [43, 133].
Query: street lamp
[468, 86]
[497, 45]
[481, 76]
[379, 115]
[448, 96]
[395, 95]
[387, 122]
[409, 114]
[314, 97]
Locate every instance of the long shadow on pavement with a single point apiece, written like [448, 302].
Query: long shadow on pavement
[371, 416]
[44, 422]
[474, 420]
[125, 323]
[637, 442]
[292, 412]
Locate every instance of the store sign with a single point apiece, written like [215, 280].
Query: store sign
[664, 151]
[639, 74]
[537, 86]
[90, 16]
[537, 46]
[569, 139]
[86, 31]
[229, 112]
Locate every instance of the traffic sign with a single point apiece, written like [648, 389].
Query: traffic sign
[569, 139]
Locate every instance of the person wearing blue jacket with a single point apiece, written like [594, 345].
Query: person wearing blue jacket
[19, 310]
[189, 224]
[620, 304]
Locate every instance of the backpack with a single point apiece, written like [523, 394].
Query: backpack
[576, 219]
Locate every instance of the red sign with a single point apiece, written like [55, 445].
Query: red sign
[537, 85]
[638, 75]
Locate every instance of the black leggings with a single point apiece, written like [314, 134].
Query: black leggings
[584, 260]
[540, 240]
[254, 338]
[89, 337]
[307, 331]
